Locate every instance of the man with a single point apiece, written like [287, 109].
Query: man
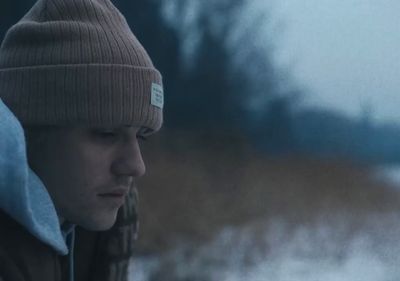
[79, 88]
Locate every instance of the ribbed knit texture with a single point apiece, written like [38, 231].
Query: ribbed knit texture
[70, 62]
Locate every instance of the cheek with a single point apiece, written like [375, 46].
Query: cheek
[79, 170]
[91, 167]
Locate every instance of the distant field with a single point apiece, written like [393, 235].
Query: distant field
[212, 208]
[196, 184]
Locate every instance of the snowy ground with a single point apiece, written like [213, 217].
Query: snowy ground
[324, 252]
[390, 174]
[339, 247]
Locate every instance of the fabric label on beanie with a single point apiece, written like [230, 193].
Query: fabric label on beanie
[157, 95]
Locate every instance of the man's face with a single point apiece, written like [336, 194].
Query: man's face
[88, 171]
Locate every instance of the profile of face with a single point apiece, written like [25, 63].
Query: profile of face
[88, 171]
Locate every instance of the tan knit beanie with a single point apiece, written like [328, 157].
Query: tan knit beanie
[69, 62]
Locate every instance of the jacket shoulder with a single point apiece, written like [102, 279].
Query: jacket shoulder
[23, 257]
[9, 271]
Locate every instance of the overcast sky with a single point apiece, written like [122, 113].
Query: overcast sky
[347, 52]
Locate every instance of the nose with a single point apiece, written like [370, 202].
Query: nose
[129, 161]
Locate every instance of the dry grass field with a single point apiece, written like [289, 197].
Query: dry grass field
[199, 182]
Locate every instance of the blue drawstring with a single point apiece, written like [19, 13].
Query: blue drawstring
[68, 231]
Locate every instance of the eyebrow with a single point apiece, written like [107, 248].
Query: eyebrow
[142, 129]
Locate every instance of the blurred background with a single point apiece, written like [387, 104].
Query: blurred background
[279, 158]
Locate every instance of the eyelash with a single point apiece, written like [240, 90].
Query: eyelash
[105, 134]
[141, 137]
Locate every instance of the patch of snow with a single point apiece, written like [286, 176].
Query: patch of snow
[308, 253]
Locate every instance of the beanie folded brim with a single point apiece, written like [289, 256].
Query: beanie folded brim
[86, 94]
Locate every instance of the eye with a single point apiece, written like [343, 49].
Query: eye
[105, 134]
[141, 137]
[108, 134]
[143, 134]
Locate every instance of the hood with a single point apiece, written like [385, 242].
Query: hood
[22, 194]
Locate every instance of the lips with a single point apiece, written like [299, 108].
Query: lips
[115, 197]
[113, 194]
[119, 192]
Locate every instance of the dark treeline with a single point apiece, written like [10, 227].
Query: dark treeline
[330, 134]
[218, 78]
[210, 88]
[214, 87]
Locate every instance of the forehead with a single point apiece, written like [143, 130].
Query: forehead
[41, 128]
[42, 131]
[117, 129]
[124, 128]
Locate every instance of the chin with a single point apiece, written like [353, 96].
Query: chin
[100, 223]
